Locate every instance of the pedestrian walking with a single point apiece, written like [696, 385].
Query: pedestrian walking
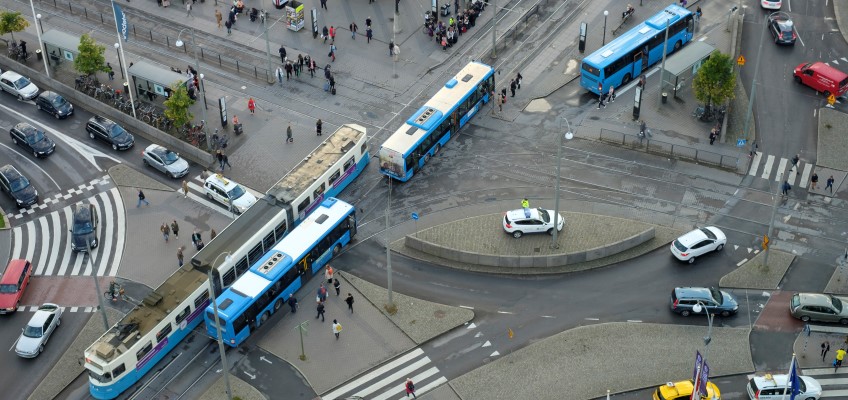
[337, 327]
[368, 34]
[141, 199]
[814, 180]
[713, 136]
[368, 22]
[840, 355]
[280, 75]
[332, 54]
[185, 188]
[180, 261]
[325, 34]
[324, 4]
[601, 101]
[197, 240]
[829, 184]
[320, 309]
[795, 162]
[754, 148]
[328, 274]
[410, 388]
[500, 104]
[175, 227]
[312, 67]
[338, 286]
[611, 95]
[110, 72]
[218, 17]
[512, 87]
[318, 127]
[225, 162]
[322, 293]
[349, 301]
[229, 26]
[212, 233]
[219, 156]
[353, 29]
[288, 67]
[282, 52]
[188, 9]
[825, 347]
[251, 105]
[518, 79]
[332, 34]
[785, 188]
[292, 303]
[391, 48]
[289, 137]
[165, 231]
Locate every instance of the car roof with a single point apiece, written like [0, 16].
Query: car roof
[39, 317]
[827, 69]
[221, 181]
[10, 172]
[693, 292]
[519, 214]
[815, 299]
[12, 75]
[770, 381]
[13, 271]
[692, 237]
[49, 95]
[101, 120]
[156, 149]
[25, 128]
[82, 213]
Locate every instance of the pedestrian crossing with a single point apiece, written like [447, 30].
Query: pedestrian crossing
[767, 166]
[834, 385]
[387, 381]
[46, 241]
[59, 198]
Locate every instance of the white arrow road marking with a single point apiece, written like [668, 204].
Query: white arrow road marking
[735, 247]
[251, 376]
[494, 354]
[471, 326]
[487, 344]
[265, 359]
[478, 334]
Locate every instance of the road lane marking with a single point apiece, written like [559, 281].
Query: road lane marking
[505, 312]
[767, 167]
[755, 164]
[63, 265]
[54, 253]
[16, 233]
[398, 389]
[781, 167]
[593, 319]
[36, 166]
[373, 374]
[45, 245]
[634, 320]
[122, 228]
[805, 176]
[744, 260]
[393, 377]
[467, 307]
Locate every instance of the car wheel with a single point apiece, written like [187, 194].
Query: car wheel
[40, 348]
[692, 260]
[805, 318]
[263, 318]
[35, 154]
[15, 141]
[336, 250]
[114, 147]
[438, 147]
[676, 46]
[798, 79]
[38, 106]
[725, 313]
[517, 234]
[57, 116]
[626, 79]
[843, 321]
[59, 322]
[685, 313]
[144, 161]
[278, 304]
[21, 97]
[721, 246]
[551, 231]
[91, 135]
[208, 196]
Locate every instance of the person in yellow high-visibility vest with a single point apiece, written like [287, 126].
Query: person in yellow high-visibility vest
[525, 203]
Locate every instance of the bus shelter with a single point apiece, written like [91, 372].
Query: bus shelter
[683, 65]
[60, 46]
[152, 83]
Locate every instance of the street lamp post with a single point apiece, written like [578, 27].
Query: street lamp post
[97, 287]
[707, 339]
[221, 348]
[180, 43]
[40, 42]
[754, 82]
[605, 28]
[120, 64]
[567, 135]
[40, 27]
[203, 91]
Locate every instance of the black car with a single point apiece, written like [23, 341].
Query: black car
[782, 28]
[84, 232]
[54, 104]
[32, 139]
[110, 132]
[17, 187]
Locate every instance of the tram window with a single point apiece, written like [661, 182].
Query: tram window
[364, 148]
[201, 299]
[255, 252]
[230, 277]
[335, 177]
[119, 370]
[302, 206]
[348, 164]
[268, 242]
[242, 266]
[280, 231]
[318, 192]
[182, 315]
[144, 350]
[163, 333]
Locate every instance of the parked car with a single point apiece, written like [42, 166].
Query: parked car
[18, 85]
[530, 220]
[34, 337]
[819, 307]
[822, 77]
[84, 231]
[771, 4]
[164, 160]
[683, 390]
[32, 139]
[700, 300]
[13, 283]
[110, 132]
[55, 104]
[771, 387]
[17, 186]
[782, 28]
[697, 243]
[228, 193]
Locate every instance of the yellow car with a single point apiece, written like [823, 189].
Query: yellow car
[683, 390]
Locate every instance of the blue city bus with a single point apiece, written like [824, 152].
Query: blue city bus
[262, 290]
[630, 55]
[439, 119]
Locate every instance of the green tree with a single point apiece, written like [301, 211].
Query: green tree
[715, 81]
[90, 58]
[176, 107]
[11, 22]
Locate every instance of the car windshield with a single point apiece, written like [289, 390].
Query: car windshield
[117, 131]
[680, 246]
[837, 304]
[169, 157]
[21, 83]
[236, 192]
[36, 137]
[709, 233]
[544, 215]
[19, 184]
[8, 288]
[59, 101]
[716, 295]
[83, 227]
[33, 331]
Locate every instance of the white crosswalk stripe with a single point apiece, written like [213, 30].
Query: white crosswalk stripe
[834, 385]
[46, 240]
[782, 171]
[388, 381]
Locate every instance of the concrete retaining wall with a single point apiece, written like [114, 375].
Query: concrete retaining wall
[528, 261]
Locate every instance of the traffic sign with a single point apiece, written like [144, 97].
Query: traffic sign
[741, 142]
[415, 216]
[765, 241]
[831, 99]
[740, 61]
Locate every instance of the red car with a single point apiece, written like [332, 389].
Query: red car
[12, 285]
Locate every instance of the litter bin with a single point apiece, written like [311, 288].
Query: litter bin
[665, 97]
[38, 54]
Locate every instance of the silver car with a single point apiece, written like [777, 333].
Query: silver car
[37, 332]
[166, 161]
[819, 307]
[18, 85]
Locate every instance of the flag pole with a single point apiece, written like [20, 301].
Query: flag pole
[790, 378]
[115, 9]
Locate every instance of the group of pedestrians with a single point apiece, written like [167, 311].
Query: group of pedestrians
[609, 97]
[447, 34]
[321, 298]
[514, 84]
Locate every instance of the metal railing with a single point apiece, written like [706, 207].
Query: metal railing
[677, 151]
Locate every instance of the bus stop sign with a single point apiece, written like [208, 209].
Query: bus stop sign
[740, 61]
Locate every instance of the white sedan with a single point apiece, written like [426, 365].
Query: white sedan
[46, 319]
[697, 243]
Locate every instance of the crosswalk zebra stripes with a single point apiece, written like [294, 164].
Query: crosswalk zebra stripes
[833, 384]
[46, 203]
[46, 241]
[783, 171]
[387, 381]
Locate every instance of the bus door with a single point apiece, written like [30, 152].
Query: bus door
[351, 222]
[646, 55]
[638, 63]
[305, 265]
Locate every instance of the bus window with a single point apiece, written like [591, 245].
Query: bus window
[335, 177]
[239, 324]
[348, 164]
[318, 192]
[412, 160]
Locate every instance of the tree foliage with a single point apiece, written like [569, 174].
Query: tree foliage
[90, 58]
[11, 22]
[176, 107]
[715, 81]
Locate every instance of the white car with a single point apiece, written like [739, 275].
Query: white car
[18, 85]
[771, 387]
[43, 323]
[697, 243]
[771, 4]
[530, 220]
[228, 193]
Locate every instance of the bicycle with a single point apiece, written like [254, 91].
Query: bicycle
[699, 112]
[115, 292]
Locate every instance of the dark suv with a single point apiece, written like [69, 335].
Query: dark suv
[84, 232]
[32, 139]
[17, 187]
[110, 132]
[684, 300]
[55, 104]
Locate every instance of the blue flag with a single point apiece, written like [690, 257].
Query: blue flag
[120, 21]
[794, 380]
